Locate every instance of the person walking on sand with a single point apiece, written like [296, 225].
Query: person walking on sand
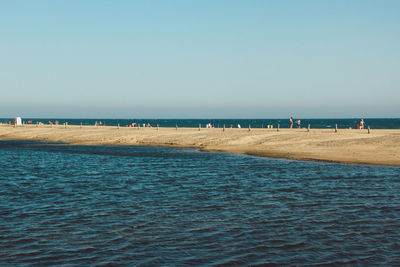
[362, 124]
[291, 122]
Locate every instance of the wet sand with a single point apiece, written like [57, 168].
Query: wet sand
[380, 147]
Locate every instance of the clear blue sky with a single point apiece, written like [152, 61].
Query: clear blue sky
[215, 59]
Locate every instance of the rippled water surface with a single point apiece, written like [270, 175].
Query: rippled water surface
[101, 205]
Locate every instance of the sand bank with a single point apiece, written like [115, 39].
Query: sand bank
[348, 146]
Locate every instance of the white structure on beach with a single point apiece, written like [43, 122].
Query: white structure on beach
[17, 121]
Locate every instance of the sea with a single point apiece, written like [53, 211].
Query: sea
[373, 123]
[67, 205]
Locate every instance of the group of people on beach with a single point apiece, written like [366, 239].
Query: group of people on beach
[209, 125]
[134, 124]
[298, 123]
[100, 123]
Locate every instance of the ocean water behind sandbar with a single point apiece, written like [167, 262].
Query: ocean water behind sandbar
[373, 123]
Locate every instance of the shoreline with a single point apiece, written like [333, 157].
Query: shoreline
[379, 147]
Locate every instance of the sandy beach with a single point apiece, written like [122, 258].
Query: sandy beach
[380, 147]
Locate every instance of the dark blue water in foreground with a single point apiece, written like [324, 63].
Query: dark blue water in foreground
[102, 205]
[219, 123]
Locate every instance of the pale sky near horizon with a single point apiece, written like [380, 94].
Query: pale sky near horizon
[195, 59]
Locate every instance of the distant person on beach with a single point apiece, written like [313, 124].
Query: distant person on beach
[362, 124]
[291, 122]
[298, 123]
[239, 126]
